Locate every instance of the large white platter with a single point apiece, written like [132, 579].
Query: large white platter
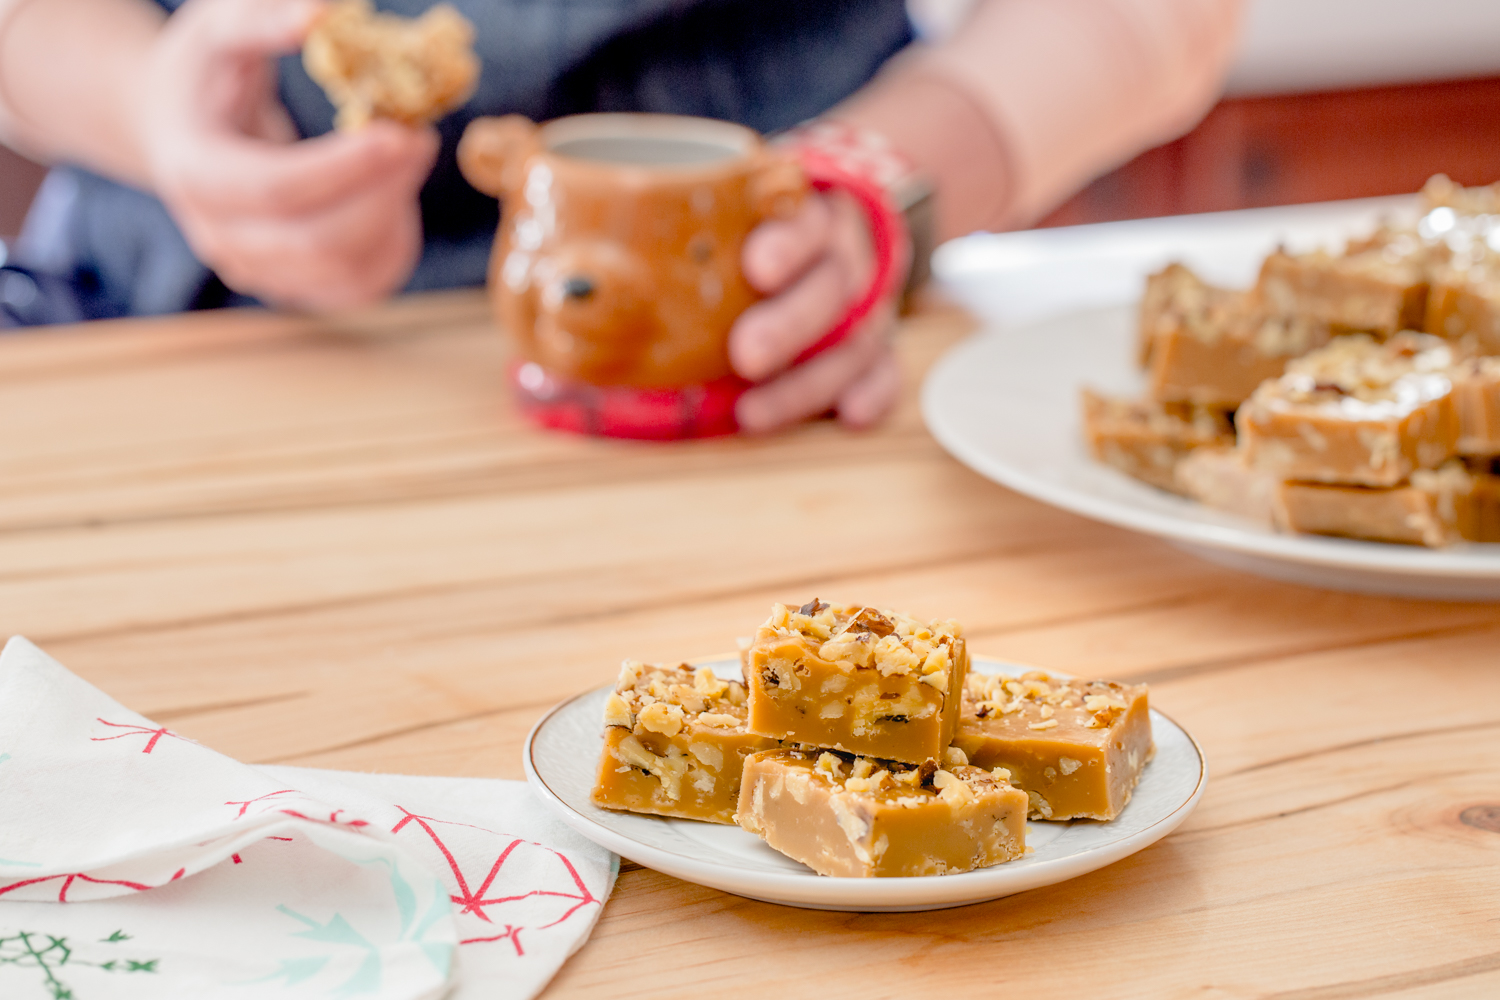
[562, 754]
[1005, 403]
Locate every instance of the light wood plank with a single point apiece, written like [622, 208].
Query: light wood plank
[332, 542]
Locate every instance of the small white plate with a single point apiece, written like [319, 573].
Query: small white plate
[1006, 404]
[562, 755]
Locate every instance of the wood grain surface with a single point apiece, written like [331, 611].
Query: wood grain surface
[333, 543]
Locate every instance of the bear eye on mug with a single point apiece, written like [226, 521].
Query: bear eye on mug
[578, 287]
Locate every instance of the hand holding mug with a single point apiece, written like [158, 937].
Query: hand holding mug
[812, 267]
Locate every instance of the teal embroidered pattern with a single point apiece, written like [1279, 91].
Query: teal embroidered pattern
[50, 955]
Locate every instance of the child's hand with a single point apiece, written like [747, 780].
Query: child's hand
[813, 266]
[318, 224]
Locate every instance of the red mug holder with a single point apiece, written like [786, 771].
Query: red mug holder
[707, 410]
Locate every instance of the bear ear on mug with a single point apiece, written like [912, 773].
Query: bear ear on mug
[493, 151]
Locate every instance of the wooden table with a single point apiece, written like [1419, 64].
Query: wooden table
[334, 544]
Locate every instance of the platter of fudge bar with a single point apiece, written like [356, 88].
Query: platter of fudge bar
[854, 758]
[1337, 423]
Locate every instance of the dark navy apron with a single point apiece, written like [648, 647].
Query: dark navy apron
[94, 249]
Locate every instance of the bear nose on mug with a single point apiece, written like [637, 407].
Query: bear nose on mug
[578, 287]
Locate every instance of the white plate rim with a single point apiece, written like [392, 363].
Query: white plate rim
[1467, 562]
[864, 894]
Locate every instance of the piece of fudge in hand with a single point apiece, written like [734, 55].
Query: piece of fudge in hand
[1355, 412]
[852, 678]
[674, 743]
[1381, 289]
[1210, 346]
[1145, 439]
[378, 65]
[855, 816]
[1075, 747]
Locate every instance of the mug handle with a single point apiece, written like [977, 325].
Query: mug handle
[888, 239]
[493, 151]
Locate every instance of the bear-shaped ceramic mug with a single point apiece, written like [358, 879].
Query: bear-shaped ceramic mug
[616, 267]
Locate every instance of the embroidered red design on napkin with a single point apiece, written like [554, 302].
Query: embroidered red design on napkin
[135, 730]
[474, 900]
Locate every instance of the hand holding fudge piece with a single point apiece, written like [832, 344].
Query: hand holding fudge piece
[854, 816]
[856, 679]
[376, 65]
[1355, 412]
[1076, 747]
[674, 743]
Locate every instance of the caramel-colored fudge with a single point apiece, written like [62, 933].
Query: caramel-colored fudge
[1441, 192]
[1437, 507]
[376, 65]
[1221, 478]
[1476, 397]
[1464, 305]
[858, 817]
[1146, 439]
[1355, 412]
[1076, 747]
[1210, 346]
[1381, 290]
[856, 679]
[1425, 512]
[1175, 297]
[674, 743]
[1479, 511]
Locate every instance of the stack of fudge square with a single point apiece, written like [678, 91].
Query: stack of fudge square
[858, 743]
[1355, 394]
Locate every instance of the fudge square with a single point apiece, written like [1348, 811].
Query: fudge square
[1464, 304]
[1075, 747]
[674, 743]
[1355, 412]
[1382, 289]
[1211, 346]
[1146, 439]
[854, 816]
[849, 677]
[1437, 508]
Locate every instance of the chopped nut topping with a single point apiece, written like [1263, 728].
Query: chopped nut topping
[912, 777]
[666, 699]
[707, 683]
[926, 770]
[617, 712]
[1000, 773]
[831, 764]
[953, 756]
[662, 718]
[1045, 724]
[812, 608]
[952, 788]
[870, 620]
[717, 720]
[686, 697]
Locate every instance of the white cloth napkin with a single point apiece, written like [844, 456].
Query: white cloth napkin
[184, 873]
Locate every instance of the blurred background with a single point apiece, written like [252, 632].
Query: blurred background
[1328, 99]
